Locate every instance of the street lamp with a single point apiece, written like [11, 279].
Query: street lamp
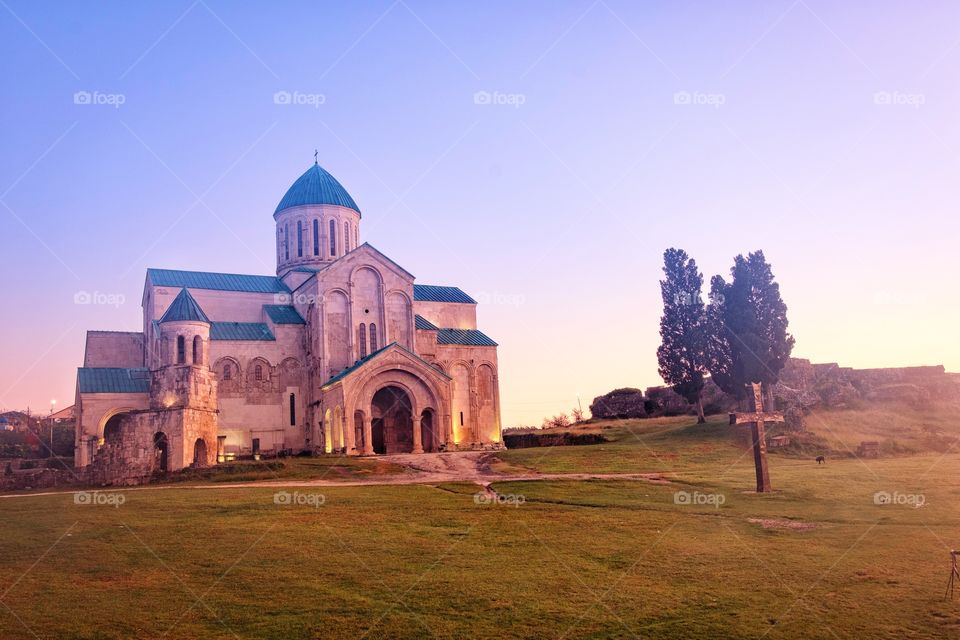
[53, 404]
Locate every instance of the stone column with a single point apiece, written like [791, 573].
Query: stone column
[349, 433]
[367, 435]
[417, 435]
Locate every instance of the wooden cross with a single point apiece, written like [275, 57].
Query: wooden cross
[756, 421]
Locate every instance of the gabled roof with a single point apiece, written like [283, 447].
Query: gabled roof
[240, 331]
[362, 361]
[316, 186]
[184, 309]
[434, 293]
[467, 337]
[424, 325]
[283, 314]
[113, 380]
[216, 281]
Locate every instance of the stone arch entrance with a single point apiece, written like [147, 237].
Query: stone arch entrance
[428, 436]
[392, 421]
[200, 453]
[161, 451]
[111, 430]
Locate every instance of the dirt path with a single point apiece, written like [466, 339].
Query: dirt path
[427, 468]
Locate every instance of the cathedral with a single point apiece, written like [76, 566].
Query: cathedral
[340, 352]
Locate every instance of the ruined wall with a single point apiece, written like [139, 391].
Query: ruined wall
[114, 349]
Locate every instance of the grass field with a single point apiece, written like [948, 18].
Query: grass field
[558, 559]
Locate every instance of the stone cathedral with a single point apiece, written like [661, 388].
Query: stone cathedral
[340, 352]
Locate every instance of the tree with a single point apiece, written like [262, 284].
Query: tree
[577, 414]
[682, 354]
[747, 327]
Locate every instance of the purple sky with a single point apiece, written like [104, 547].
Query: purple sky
[825, 135]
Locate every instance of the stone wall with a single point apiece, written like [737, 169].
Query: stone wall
[114, 349]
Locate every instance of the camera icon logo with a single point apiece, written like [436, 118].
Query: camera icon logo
[482, 97]
[82, 297]
[82, 97]
[282, 97]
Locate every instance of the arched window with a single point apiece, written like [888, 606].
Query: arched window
[333, 237]
[181, 350]
[286, 241]
[197, 350]
[293, 410]
[258, 373]
[373, 337]
[299, 239]
[227, 372]
[363, 340]
[316, 237]
[346, 237]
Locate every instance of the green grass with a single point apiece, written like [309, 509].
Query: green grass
[576, 559]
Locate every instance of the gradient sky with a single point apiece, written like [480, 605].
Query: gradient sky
[553, 204]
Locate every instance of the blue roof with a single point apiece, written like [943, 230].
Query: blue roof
[216, 281]
[283, 314]
[316, 186]
[184, 308]
[113, 380]
[433, 293]
[240, 331]
[424, 324]
[467, 337]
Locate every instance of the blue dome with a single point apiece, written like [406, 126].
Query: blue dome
[316, 186]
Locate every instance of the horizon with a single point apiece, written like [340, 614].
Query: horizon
[541, 163]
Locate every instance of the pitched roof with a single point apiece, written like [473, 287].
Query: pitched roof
[240, 331]
[434, 293]
[316, 186]
[184, 308]
[113, 380]
[283, 314]
[423, 324]
[467, 337]
[362, 361]
[216, 281]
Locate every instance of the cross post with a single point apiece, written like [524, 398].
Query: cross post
[756, 421]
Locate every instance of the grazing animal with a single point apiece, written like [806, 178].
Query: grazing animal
[821, 460]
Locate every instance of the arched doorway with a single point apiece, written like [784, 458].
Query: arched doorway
[200, 453]
[427, 436]
[160, 451]
[111, 430]
[392, 414]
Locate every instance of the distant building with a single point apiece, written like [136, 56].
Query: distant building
[340, 352]
[5, 424]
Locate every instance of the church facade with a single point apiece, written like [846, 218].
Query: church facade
[340, 352]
